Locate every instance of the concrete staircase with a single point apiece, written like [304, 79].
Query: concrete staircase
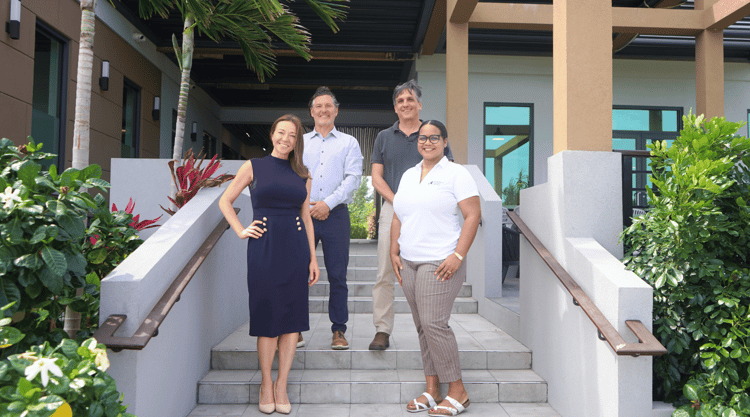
[359, 382]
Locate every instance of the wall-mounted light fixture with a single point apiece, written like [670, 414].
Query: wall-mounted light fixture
[157, 107]
[104, 80]
[13, 26]
[194, 134]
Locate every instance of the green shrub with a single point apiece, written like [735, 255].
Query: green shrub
[692, 247]
[359, 211]
[42, 229]
[37, 382]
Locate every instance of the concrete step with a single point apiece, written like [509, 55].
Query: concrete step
[481, 346]
[371, 386]
[364, 410]
[319, 304]
[355, 260]
[364, 289]
[358, 273]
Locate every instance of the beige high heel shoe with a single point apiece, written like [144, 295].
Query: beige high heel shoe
[265, 408]
[281, 408]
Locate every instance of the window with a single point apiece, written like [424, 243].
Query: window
[48, 97]
[131, 110]
[508, 149]
[634, 128]
[209, 145]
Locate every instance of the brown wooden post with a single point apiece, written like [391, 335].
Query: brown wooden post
[709, 68]
[582, 75]
[457, 85]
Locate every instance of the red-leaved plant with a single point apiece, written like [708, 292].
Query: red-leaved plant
[136, 224]
[189, 178]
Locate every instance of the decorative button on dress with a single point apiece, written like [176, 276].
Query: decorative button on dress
[278, 263]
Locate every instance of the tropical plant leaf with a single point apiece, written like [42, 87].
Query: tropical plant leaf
[53, 282]
[55, 260]
[97, 256]
[76, 263]
[91, 171]
[73, 225]
[68, 177]
[27, 173]
[8, 294]
[15, 232]
[29, 261]
[329, 11]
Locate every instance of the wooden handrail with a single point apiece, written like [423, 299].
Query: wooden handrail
[150, 326]
[648, 345]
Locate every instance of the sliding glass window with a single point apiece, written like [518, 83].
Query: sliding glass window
[48, 97]
[634, 128]
[509, 149]
[131, 110]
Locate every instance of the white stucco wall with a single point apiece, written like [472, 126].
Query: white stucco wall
[518, 79]
[577, 216]
[161, 380]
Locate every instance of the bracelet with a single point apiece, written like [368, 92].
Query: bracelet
[460, 258]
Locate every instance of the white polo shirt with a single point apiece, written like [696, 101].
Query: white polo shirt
[428, 210]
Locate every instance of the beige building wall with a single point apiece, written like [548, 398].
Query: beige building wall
[16, 84]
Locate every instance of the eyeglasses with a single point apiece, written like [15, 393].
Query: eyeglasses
[433, 138]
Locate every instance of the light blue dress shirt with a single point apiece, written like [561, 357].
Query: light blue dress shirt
[335, 164]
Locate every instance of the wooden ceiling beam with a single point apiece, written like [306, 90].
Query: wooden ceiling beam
[725, 13]
[219, 53]
[463, 10]
[434, 28]
[512, 16]
[642, 20]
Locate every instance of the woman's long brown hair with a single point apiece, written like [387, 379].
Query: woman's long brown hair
[295, 156]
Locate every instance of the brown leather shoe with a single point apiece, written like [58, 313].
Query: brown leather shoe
[380, 342]
[339, 341]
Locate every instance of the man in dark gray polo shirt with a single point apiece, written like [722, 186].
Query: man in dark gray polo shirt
[394, 152]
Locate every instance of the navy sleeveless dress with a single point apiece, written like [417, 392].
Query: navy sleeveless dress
[278, 263]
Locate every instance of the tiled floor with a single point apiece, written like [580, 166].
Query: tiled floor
[374, 410]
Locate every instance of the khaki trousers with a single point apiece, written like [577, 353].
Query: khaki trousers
[431, 302]
[382, 292]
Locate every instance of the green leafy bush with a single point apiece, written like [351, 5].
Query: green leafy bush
[38, 382]
[42, 229]
[692, 246]
[359, 211]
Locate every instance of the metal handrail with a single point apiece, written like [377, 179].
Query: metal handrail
[150, 326]
[648, 345]
[626, 152]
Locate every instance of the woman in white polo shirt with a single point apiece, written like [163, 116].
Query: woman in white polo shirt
[427, 250]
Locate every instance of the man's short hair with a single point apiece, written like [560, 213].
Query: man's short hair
[410, 85]
[323, 91]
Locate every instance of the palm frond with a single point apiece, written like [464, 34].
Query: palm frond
[148, 8]
[329, 11]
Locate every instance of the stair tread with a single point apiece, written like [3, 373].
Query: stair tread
[504, 376]
[473, 333]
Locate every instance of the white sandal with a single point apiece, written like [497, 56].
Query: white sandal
[419, 407]
[457, 408]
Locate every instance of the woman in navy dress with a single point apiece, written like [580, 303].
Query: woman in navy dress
[280, 254]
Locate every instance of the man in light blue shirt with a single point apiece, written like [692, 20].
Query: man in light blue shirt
[335, 163]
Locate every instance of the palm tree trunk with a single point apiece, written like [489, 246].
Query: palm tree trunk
[81, 129]
[185, 60]
[188, 36]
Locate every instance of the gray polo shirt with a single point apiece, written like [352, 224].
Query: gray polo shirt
[397, 153]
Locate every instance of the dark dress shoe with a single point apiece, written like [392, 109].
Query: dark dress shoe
[380, 342]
